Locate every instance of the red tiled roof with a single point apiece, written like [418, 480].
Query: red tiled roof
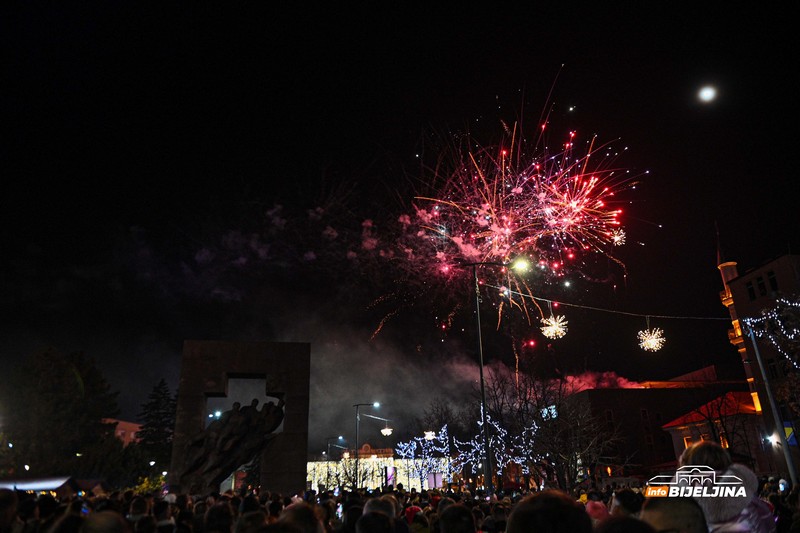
[731, 403]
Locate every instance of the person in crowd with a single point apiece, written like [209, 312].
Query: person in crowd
[184, 521]
[251, 521]
[497, 519]
[549, 511]
[145, 524]
[105, 522]
[327, 513]
[48, 511]
[375, 522]
[28, 513]
[302, 515]
[625, 502]
[457, 518]
[420, 523]
[386, 505]
[162, 512]
[199, 509]
[723, 514]
[250, 503]
[137, 509]
[9, 521]
[349, 518]
[679, 515]
[622, 523]
[596, 510]
[219, 518]
[274, 509]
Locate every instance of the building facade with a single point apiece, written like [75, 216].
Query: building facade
[748, 295]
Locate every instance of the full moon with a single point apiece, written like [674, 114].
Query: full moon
[707, 93]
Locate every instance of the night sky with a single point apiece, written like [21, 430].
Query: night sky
[145, 146]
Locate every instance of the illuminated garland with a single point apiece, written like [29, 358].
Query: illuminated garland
[781, 327]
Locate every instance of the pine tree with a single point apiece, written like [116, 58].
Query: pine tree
[57, 411]
[158, 424]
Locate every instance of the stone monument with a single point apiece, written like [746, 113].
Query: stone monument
[203, 457]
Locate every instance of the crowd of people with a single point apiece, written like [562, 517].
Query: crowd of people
[395, 510]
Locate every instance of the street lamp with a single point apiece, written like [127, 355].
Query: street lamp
[520, 264]
[328, 442]
[358, 423]
[386, 431]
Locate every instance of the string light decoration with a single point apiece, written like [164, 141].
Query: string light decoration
[651, 340]
[781, 327]
[554, 327]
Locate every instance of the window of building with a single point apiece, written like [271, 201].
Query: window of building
[762, 287]
[773, 281]
[751, 292]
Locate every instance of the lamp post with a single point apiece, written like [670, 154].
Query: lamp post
[328, 442]
[358, 423]
[487, 456]
[484, 423]
[776, 414]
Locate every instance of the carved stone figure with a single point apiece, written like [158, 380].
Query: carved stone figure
[234, 439]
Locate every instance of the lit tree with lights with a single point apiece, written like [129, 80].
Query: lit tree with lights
[470, 453]
[540, 424]
[780, 327]
[420, 460]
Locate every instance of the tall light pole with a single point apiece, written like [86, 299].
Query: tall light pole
[487, 465]
[487, 455]
[776, 414]
[358, 424]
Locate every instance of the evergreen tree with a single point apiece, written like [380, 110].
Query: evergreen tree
[158, 425]
[57, 412]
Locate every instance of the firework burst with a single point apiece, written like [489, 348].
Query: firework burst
[503, 203]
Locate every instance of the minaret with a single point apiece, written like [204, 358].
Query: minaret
[729, 271]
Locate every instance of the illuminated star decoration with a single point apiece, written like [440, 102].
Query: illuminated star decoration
[554, 327]
[651, 340]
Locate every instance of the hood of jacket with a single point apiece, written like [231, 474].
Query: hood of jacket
[727, 508]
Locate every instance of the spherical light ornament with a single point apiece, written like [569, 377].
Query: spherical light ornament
[651, 340]
[554, 327]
